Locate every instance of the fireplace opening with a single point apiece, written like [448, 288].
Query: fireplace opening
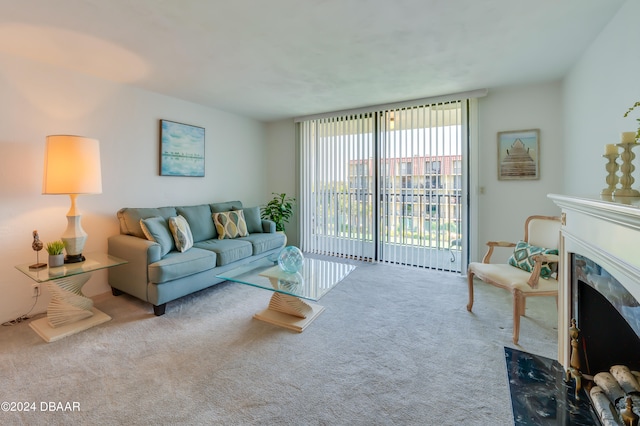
[607, 338]
[608, 317]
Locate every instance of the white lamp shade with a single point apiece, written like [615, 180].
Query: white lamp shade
[72, 165]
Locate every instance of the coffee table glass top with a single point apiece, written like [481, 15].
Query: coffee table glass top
[312, 282]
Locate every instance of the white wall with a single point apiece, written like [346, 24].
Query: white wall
[597, 92]
[282, 157]
[503, 205]
[38, 100]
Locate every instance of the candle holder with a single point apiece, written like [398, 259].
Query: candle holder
[612, 177]
[627, 167]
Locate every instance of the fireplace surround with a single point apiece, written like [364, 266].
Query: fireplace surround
[600, 236]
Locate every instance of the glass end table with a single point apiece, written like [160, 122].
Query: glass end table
[289, 306]
[69, 311]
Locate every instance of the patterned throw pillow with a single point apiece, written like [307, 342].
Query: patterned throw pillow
[230, 224]
[252, 219]
[521, 258]
[156, 229]
[181, 233]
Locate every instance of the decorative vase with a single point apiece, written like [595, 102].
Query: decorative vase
[290, 259]
[56, 260]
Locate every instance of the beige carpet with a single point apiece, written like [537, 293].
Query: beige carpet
[395, 346]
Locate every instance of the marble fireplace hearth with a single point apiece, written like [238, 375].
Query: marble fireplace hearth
[540, 395]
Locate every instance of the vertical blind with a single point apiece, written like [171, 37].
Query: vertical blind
[336, 192]
[384, 185]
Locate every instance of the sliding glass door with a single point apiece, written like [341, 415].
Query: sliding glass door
[385, 185]
[421, 186]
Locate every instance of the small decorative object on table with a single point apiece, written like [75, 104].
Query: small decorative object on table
[290, 259]
[37, 246]
[611, 153]
[56, 257]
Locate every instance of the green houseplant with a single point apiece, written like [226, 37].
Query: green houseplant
[55, 249]
[279, 210]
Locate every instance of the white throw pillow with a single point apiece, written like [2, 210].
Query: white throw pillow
[181, 233]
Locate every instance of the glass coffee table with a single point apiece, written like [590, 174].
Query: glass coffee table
[287, 307]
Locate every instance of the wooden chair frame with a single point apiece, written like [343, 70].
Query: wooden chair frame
[519, 296]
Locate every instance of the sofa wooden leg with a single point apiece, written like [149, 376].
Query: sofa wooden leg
[470, 284]
[116, 292]
[159, 310]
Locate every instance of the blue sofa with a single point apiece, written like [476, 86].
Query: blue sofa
[158, 272]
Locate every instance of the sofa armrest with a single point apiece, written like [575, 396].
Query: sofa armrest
[268, 226]
[132, 277]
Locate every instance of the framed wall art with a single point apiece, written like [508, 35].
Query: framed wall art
[519, 154]
[181, 149]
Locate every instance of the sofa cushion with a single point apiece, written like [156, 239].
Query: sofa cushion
[253, 219]
[199, 218]
[264, 242]
[157, 229]
[177, 265]
[230, 224]
[129, 218]
[181, 233]
[227, 251]
[226, 206]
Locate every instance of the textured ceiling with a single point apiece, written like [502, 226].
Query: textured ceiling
[272, 59]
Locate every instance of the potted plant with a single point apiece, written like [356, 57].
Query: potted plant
[55, 249]
[279, 210]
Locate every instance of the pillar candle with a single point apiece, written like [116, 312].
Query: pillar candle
[610, 149]
[628, 137]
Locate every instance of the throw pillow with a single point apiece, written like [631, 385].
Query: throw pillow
[156, 229]
[181, 233]
[522, 258]
[230, 224]
[253, 219]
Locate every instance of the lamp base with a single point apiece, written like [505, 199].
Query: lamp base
[74, 258]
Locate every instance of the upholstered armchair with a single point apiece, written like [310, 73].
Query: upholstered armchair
[530, 271]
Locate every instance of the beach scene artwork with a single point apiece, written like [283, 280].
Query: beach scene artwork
[181, 149]
[518, 154]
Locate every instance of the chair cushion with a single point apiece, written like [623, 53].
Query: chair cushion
[509, 277]
[522, 258]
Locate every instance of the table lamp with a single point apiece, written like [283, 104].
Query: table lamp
[72, 167]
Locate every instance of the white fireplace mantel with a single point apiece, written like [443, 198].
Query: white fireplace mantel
[607, 231]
